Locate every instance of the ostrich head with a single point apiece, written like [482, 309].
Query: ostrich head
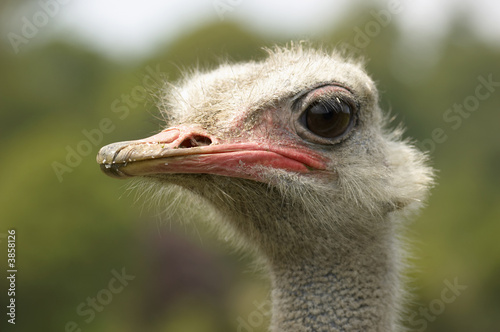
[294, 154]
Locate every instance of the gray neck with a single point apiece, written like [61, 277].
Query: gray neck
[339, 275]
[352, 291]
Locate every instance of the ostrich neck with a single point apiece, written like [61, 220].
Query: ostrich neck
[352, 291]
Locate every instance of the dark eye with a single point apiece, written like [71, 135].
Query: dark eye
[329, 118]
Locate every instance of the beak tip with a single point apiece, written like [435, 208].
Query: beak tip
[106, 160]
[108, 153]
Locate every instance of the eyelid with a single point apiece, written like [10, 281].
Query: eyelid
[302, 100]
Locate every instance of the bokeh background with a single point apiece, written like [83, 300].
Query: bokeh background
[67, 65]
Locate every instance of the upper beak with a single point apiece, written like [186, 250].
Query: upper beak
[186, 149]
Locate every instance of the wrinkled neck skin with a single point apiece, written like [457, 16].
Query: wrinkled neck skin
[354, 291]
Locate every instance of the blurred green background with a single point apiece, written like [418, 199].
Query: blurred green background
[77, 228]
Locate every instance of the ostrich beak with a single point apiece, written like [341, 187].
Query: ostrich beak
[186, 149]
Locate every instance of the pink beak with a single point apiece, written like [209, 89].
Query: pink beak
[187, 149]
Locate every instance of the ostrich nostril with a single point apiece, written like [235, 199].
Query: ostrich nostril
[194, 141]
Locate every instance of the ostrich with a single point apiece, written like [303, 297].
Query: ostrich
[294, 157]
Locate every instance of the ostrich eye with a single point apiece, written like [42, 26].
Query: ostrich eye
[329, 118]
